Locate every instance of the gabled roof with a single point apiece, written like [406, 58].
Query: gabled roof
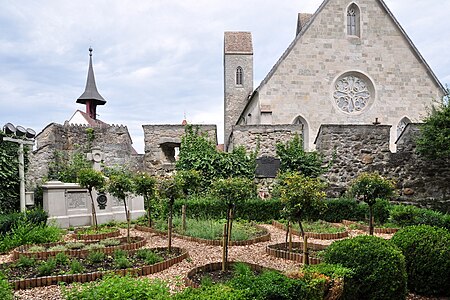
[91, 92]
[305, 27]
[89, 120]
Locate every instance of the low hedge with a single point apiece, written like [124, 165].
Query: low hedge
[427, 253]
[378, 265]
[35, 217]
[6, 292]
[409, 215]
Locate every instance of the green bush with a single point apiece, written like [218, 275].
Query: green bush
[408, 215]
[95, 257]
[6, 292]
[209, 292]
[343, 209]
[118, 288]
[76, 267]
[35, 216]
[381, 211]
[47, 267]
[427, 253]
[379, 267]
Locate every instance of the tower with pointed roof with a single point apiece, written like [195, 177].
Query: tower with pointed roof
[91, 97]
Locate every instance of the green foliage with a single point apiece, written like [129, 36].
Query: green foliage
[300, 195]
[294, 158]
[379, 267]
[46, 267]
[114, 287]
[9, 175]
[25, 261]
[35, 217]
[433, 141]
[90, 179]
[370, 187]
[381, 211]
[198, 153]
[169, 189]
[6, 292]
[211, 292]
[110, 242]
[189, 181]
[76, 267]
[408, 215]
[95, 257]
[65, 167]
[144, 185]
[234, 190]
[427, 253]
[343, 209]
[150, 257]
[90, 135]
[61, 259]
[122, 262]
[120, 184]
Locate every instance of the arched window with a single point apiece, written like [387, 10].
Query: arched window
[353, 23]
[239, 76]
[401, 125]
[299, 120]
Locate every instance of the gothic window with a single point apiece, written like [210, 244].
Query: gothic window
[239, 76]
[351, 94]
[353, 17]
[401, 125]
[305, 134]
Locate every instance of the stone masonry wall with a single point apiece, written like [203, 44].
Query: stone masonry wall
[113, 141]
[161, 142]
[365, 148]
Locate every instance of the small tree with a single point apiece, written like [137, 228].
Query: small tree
[189, 181]
[120, 186]
[300, 195]
[370, 187]
[170, 190]
[295, 159]
[232, 191]
[90, 179]
[434, 138]
[144, 185]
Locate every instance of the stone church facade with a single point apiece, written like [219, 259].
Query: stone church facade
[350, 63]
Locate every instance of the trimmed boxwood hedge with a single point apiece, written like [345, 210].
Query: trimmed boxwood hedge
[408, 215]
[427, 254]
[379, 267]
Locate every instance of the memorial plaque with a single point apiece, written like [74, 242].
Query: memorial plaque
[76, 199]
[267, 167]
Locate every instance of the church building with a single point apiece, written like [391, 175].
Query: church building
[350, 62]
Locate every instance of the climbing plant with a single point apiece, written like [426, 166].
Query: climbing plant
[65, 167]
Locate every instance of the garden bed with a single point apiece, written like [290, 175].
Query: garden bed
[52, 249]
[281, 251]
[262, 238]
[366, 228]
[80, 235]
[214, 271]
[24, 277]
[316, 235]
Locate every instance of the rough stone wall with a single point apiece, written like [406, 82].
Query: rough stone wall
[266, 136]
[113, 140]
[161, 142]
[302, 82]
[365, 148]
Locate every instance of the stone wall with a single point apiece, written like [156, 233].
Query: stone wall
[266, 136]
[365, 148]
[113, 141]
[162, 144]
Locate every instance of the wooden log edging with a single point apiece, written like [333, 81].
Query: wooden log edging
[86, 277]
[22, 250]
[216, 266]
[263, 238]
[96, 236]
[279, 251]
[366, 228]
[313, 235]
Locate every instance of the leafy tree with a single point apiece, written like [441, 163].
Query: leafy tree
[370, 187]
[295, 159]
[120, 185]
[170, 190]
[198, 153]
[232, 191]
[90, 179]
[144, 185]
[189, 181]
[434, 138]
[65, 167]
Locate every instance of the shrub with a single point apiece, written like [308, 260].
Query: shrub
[96, 257]
[57, 248]
[114, 287]
[93, 247]
[33, 217]
[110, 242]
[207, 292]
[6, 292]
[61, 259]
[379, 267]
[427, 253]
[149, 256]
[343, 209]
[75, 245]
[25, 261]
[46, 267]
[76, 267]
[408, 215]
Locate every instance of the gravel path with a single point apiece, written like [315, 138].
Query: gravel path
[200, 254]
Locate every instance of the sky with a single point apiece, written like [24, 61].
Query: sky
[158, 61]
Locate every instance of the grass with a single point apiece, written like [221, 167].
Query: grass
[211, 229]
[317, 226]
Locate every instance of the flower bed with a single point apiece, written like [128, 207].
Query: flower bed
[366, 228]
[281, 251]
[136, 242]
[79, 235]
[314, 235]
[263, 238]
[29, 279]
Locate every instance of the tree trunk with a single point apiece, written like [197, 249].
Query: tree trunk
[371, 220]
[127, 216]
[290, 236]
[149, 216]
[169, 233]
[230, 225]
[226, 239]
[305, 243]
[224, 242]
[183, 217]
[94, 213]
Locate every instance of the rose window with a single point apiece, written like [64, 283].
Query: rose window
[351, 94]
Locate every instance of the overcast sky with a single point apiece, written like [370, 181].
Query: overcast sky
[158, 60]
